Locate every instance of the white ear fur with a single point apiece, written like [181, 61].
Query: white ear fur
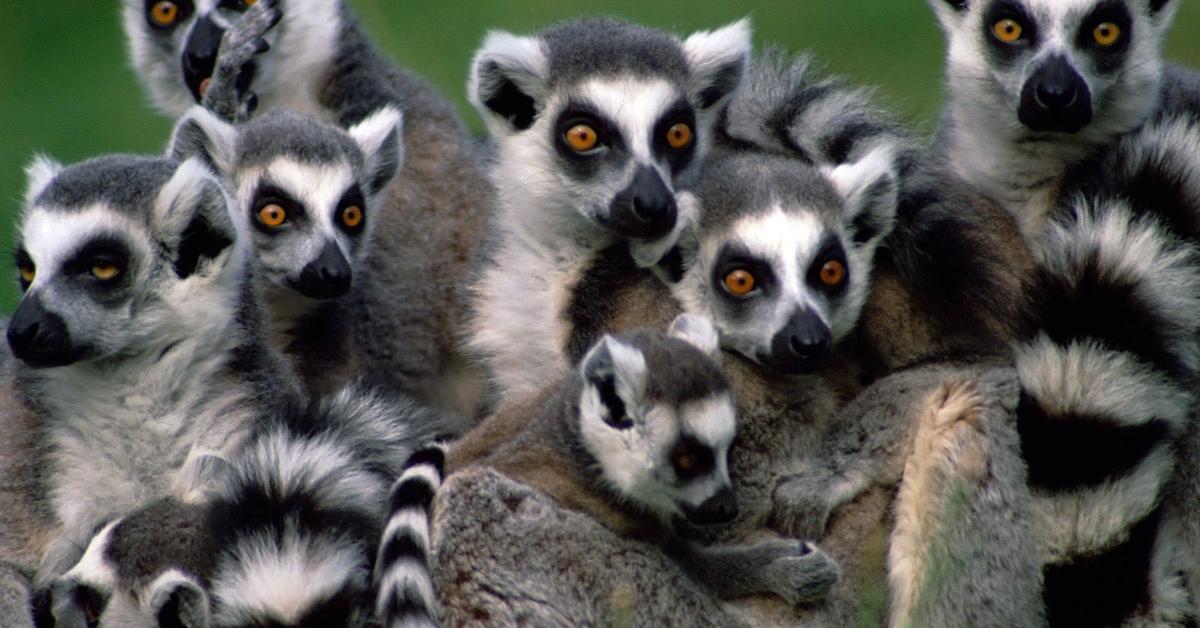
[871, 191]
[190, 600]
[626, 365]
[699, 332]
[200, 133]
[380, 136]
[193, 196]
[949, 12]
[717, 60]
[508, 81]
[38, 174]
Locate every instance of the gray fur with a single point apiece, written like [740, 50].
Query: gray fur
[431, 218]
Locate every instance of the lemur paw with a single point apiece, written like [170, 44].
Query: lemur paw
[227, 93]
[800, 508]
[801, 572]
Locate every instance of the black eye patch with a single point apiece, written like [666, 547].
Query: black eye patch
[1009, 10]
[1108, 58]
[268, 193]
[180, 10]
[830, 252]
[681, 112]
[107, 250]
[583, 164]
[734, 256]
[692, 459]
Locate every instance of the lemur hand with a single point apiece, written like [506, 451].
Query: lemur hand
[227, 93]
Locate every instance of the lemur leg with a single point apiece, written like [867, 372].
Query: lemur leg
[794, 570]
[228, 92]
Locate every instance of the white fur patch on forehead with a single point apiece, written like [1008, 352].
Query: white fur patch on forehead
[51, 237]
[634, 104]
[263, 579]
[784, 238]
[712, 421]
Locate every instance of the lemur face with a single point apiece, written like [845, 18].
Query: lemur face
[307, 189]
[781, 262]
[121, 257]
[1040, 67]
[600, 120]
[174, 45]
[658, 417]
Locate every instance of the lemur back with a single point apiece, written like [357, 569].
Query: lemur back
[315, 58]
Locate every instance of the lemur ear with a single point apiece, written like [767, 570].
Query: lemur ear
[871, 191]
[193, 223]
[717, 60]
[39, 173]
[615, 377]
[380, 136]
[699, 332]
[508, 81]
[949, 11]
[177, 600]
[1157, 5]
[200, 133]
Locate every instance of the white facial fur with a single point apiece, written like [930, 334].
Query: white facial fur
[990, 147]
[303, 45]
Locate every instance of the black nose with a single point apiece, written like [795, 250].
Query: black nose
[39, 337]
[200, 54]
[1056, 99]
[720, 508]
[327, 277]
[801, 346]
[645, 210]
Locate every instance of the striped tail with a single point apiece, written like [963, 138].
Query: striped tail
[405, 593]
[786, 106]
[1105, 397]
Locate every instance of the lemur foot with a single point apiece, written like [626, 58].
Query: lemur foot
[227, 93]
[800, 507]
[800, 572]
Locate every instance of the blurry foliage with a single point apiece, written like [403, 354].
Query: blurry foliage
[66, 89]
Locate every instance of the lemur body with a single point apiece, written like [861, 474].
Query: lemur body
[287, 539]
[596, 123]
[430, 220]
[636, 439]
[138, 339]
[311, 192]
[1067, 115]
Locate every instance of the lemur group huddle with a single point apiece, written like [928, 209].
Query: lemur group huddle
[697, 336]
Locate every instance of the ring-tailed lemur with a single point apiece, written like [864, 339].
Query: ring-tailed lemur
[138, 338]
[637, 437]
[1059, 112]
[288, 538]
[312, 194]
[312, 56]
[596, 123]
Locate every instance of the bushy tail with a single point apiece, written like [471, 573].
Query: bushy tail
[787, 106]
[1106, 393]
[405, 592]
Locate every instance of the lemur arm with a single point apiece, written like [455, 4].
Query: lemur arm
[794, 570]
[228, 92]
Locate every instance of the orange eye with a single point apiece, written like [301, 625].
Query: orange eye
[833, 273]
[272, 215]
[352, 216]
[105, 271]
[249, 3]
[1107, 34]
[685, 462]
[164, 13]
[1008, 31]
[582, 138]
[27, 273]
[739, 283]
[679, 136]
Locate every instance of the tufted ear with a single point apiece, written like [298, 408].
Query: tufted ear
[192, 221]
[176, 600]
[200, 133]
[614, 375]
[871, 192]
[699, 332]
[508, 81]
[380, 136]
[38, 174]
[717, 60]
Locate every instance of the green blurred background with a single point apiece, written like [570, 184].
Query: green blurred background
[66, 90]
